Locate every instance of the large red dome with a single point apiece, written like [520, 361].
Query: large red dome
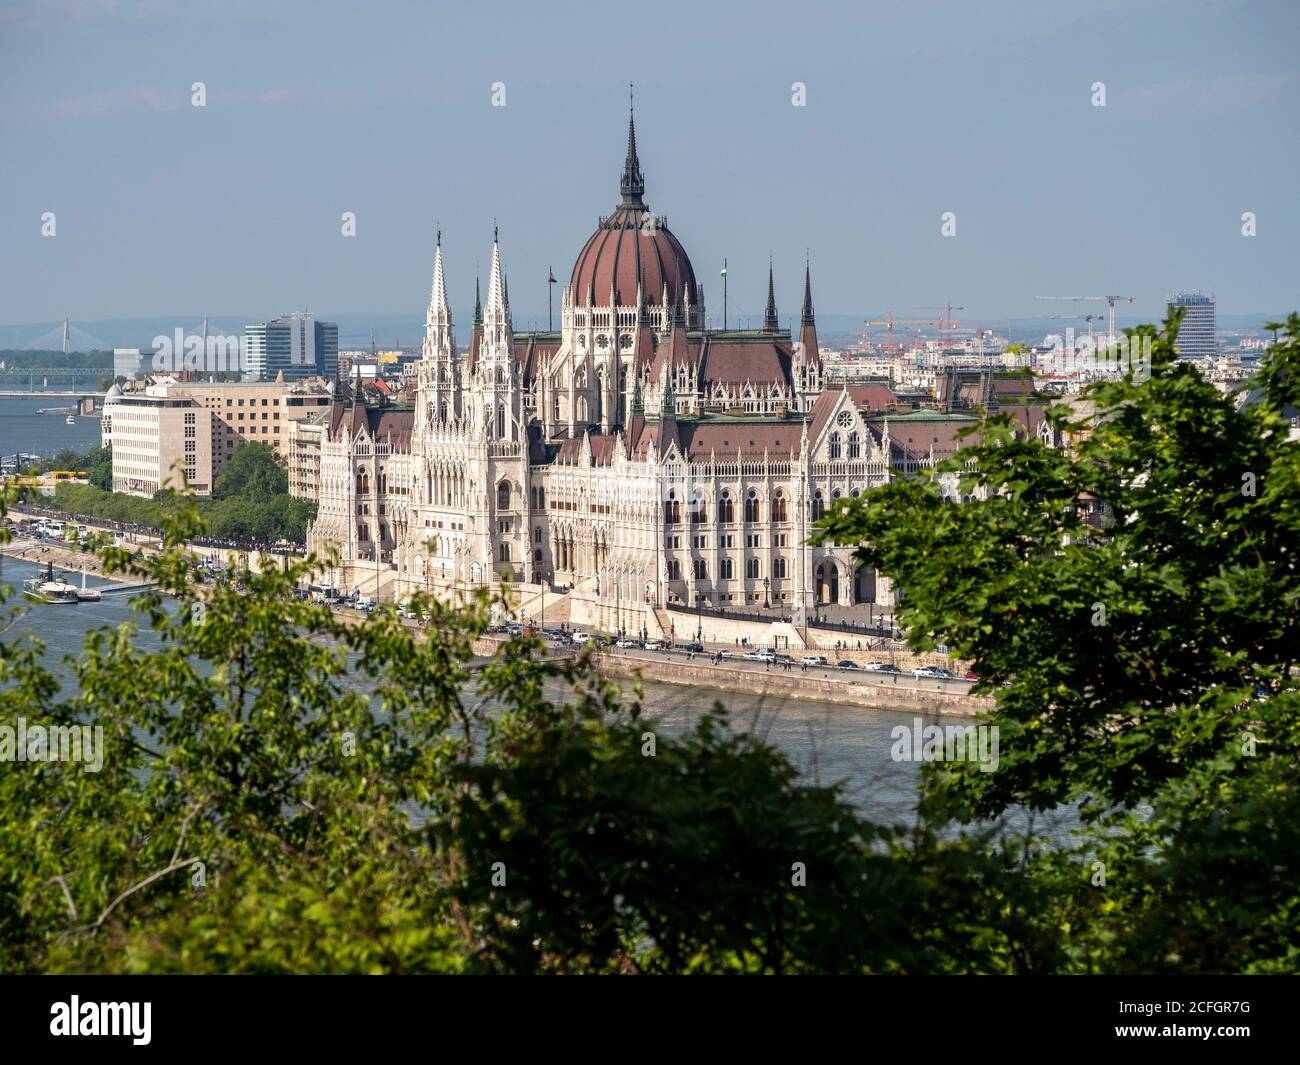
[624, 254]
[633, 247]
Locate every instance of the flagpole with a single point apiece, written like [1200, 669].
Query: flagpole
[724, 295]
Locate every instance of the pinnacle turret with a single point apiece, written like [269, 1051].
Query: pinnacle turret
[770, 324]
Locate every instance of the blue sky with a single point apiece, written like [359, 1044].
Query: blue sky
[385, 109]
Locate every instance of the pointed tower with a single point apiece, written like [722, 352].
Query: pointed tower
[497, 403]
[770, 323]
[439, 379]
[807, 362]
[497, 471]
[632, 184]
[475, 332]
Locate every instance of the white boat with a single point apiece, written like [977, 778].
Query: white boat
[47, 589]
[71, 420]
[84, 594]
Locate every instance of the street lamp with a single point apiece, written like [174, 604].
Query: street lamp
[767, 582]
[699, 617]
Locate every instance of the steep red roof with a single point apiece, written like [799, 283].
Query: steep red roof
[391, 427]
[750, 439]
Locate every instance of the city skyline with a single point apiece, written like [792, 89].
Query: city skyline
[856, 177]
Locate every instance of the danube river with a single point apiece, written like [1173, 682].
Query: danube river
[827, 743]
[24, 429]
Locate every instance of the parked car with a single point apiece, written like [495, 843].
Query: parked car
[782, 660]
[813, 660]
[694, 648]
[581, 637]
[881, 667]
[653, 645]
[760, 654]
[971, 676]
[933, 672]
[846, 664]
[625, 643]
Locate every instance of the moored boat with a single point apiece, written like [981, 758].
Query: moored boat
[46, 588]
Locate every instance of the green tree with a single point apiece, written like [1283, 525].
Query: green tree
[282, 791]
[1145, 670]
[252, 471]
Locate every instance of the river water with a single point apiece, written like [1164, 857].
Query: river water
[23, 429]
[826, 743]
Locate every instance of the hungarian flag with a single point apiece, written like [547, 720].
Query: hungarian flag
[550, 276]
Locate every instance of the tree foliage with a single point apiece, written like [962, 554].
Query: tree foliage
[1145, 669]
[252, 499]
[284, 791]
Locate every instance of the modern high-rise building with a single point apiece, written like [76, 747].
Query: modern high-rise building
[295, 343]
[1196, 335]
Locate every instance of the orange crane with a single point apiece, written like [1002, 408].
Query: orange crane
[890, 321]
[1110, 300]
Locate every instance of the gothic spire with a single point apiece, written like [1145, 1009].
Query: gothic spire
[770, 324]
[496, 313]
[478, 304]
[437, 321]
[807, 294]
[632, 184]
[438, 308]
[668, 408]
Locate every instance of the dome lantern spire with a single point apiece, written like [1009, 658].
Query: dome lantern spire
[632, 184]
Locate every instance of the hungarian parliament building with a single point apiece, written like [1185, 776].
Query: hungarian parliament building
[635, 459]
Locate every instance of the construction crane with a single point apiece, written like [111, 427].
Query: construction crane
[1110, 300]
[1089, 318]
[890, 321]
[948, 308]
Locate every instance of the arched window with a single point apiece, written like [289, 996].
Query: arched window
[778, 568]
[672, 509]
[818, 505]
[501, 423]
[751, 569]
[835, 445]
[753, 510]
[701, 569]
[674, 570]
[726, 509]
[503, 495]
[699, 512]
[505, 551]
[855, 446]
[778, 506]
[724, 569]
